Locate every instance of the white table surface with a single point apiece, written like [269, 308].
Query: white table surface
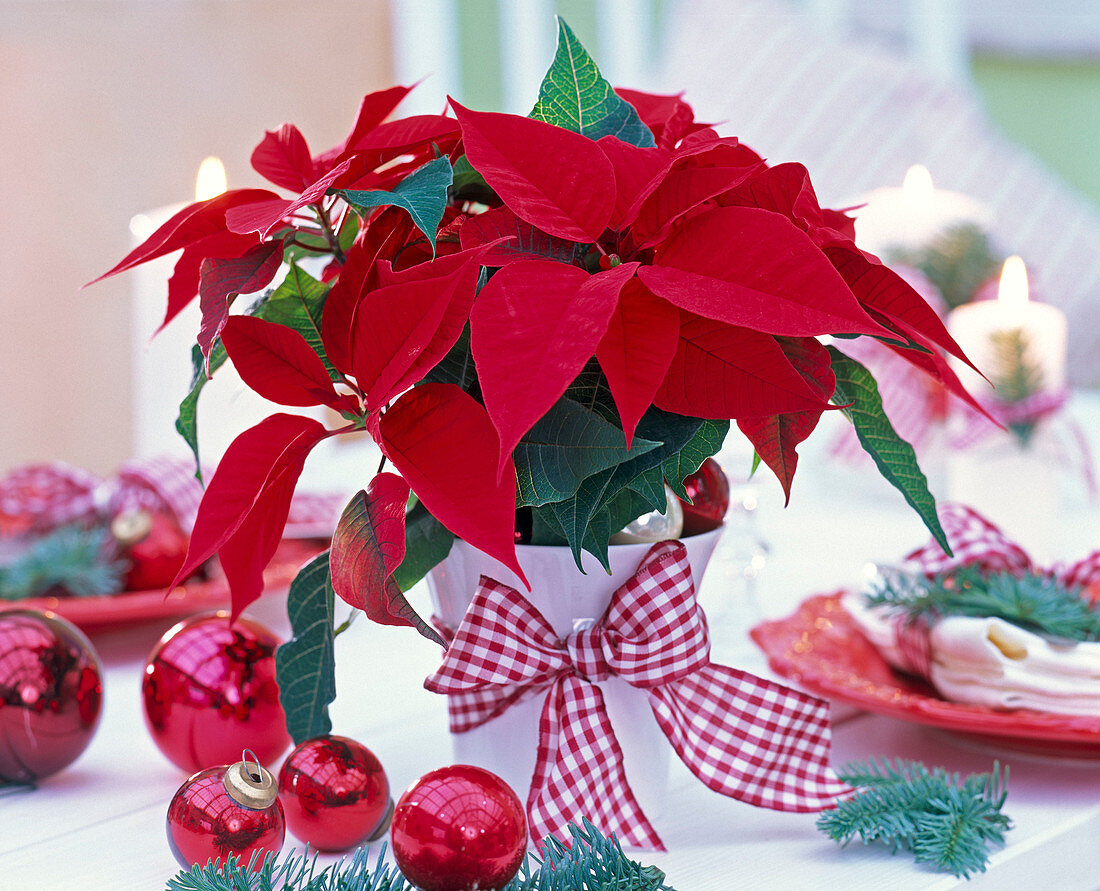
[100, 823]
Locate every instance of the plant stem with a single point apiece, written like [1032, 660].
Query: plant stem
[329, 233]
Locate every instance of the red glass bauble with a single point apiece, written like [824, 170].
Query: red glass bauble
[709, 491]
[155, 547]
[208, 820]
[209, 691]
[51, 694]
[459, 828]
[335, 793]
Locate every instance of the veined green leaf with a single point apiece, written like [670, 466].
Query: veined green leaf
[427, 542]
[305, 666]
[566, 446]
[590, 389]
[706, 441]
[423, 193]
[298, 303]
[857, 393]
[574, 95]
[577, 514]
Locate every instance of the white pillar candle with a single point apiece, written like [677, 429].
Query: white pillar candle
[910, 217]
[1042, 330]
[1016, 487]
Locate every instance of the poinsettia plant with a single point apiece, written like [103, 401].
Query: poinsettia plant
[556, 314]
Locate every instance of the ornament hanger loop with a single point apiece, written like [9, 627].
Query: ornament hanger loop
[256, 774]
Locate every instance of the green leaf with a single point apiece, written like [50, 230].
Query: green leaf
[305, 666]
[706, 441]
[348, 232]
[574, 95]
[576, 514]
[545, 528]
[457, 367]
[566, 446]
[468, 184]
[298, 303]
[427, 542]
[590, 389]
[423, 193]
[857, 394]
[187, 421]
[650, 485]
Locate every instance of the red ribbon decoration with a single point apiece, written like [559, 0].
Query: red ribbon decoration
[742, 736]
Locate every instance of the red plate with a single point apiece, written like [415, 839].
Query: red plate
[130, 607]
[821, 648]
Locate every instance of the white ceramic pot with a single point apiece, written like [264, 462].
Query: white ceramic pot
[507, 745]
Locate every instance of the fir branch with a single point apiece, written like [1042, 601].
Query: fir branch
[80, 561]
[297, 872]
[957, 261]
[592, 862]
[943, 822]
[1015, 376]
[1034, 601]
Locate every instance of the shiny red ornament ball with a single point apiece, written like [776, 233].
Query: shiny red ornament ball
[709, 490]
[155, 546]
[206, 822]
[51, 694]
[209, 691]
[459, 828]
[335, 793]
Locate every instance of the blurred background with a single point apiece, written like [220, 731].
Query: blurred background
[109, 106]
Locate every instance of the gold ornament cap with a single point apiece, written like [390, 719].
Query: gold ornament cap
[131, 526]
[249, 784]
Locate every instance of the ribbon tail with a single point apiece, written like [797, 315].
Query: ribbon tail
[750, 739]
[579, 771]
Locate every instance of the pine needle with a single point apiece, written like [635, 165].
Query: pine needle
[1034, 601]
[942, 821]
[80, 561]
[592, 862]
[957, 262]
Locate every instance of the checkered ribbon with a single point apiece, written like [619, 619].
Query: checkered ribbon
[742, 736]
[45, 496]
[50, 495]
[979, 543]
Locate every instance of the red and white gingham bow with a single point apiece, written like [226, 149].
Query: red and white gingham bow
[744, 737]
[978, 542]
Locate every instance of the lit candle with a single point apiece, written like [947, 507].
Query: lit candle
[1011, 334]
[913, 215]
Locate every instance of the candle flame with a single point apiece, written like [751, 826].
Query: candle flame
[210, 180]
[1012, 292]
[916, 188]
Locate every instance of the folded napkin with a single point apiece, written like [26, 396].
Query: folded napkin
[990, 662]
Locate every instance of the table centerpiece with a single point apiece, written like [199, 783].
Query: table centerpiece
[545, 323]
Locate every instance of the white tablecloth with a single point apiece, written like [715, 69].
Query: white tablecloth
[100, 823]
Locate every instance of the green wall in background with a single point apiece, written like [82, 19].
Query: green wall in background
[479, 45]
[1051, 107]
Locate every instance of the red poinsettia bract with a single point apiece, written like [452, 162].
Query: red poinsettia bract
[697, 275]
